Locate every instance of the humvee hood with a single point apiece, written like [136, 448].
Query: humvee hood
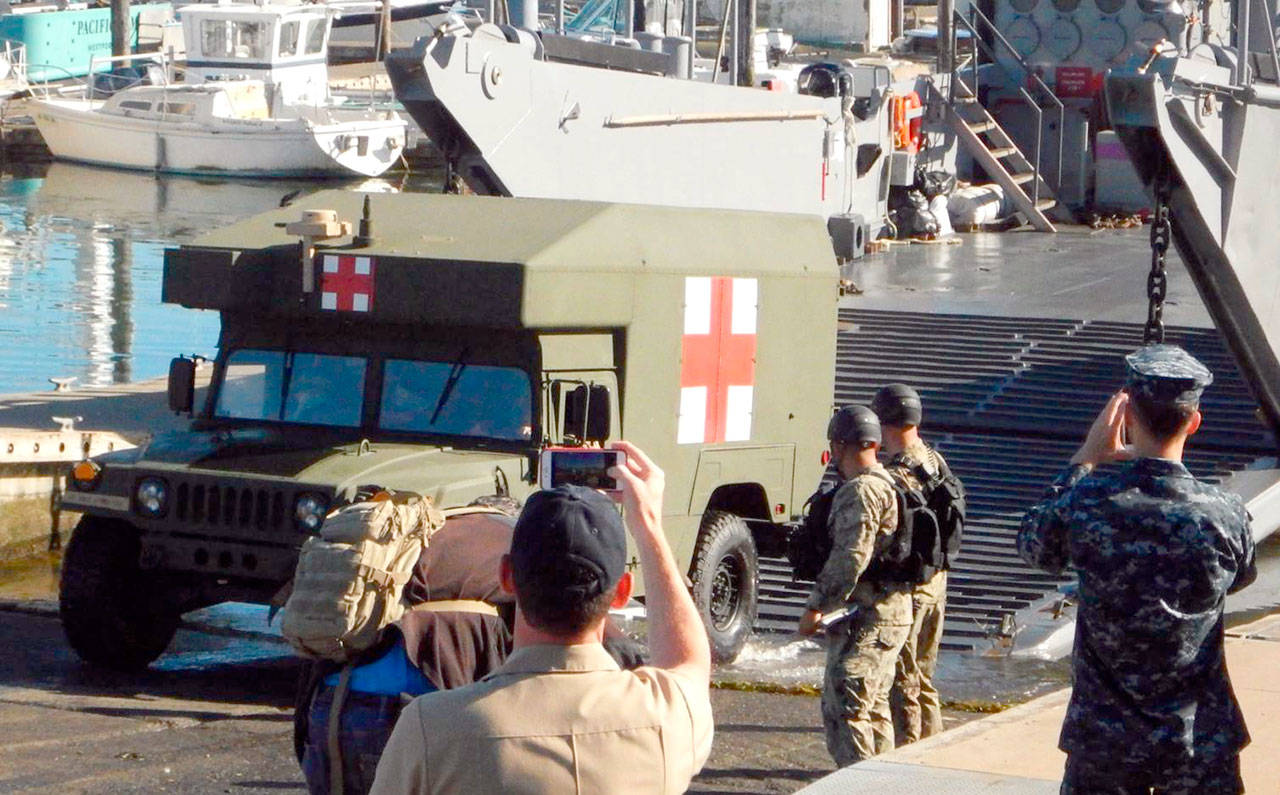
[306, 458]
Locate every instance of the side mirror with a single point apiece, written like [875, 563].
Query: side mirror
[182, 385]
[586, 413]
[599, 423]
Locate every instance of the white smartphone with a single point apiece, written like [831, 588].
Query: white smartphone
[561, 466]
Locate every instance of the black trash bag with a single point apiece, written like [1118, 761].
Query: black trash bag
[910, 215]
[934, 183]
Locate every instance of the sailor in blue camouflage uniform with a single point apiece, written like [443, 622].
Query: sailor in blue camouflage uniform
[1156, 551]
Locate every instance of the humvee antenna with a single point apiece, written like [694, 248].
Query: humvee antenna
[365, 236]
[313, 226]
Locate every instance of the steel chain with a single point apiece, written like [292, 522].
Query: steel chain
[1157, 282]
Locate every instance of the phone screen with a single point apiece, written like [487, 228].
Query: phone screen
[588, 468]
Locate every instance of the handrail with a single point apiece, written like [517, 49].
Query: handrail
[979, 43]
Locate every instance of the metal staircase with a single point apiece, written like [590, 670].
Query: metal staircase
[1020, 175]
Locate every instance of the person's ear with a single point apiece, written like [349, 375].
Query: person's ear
[1193, 422]
[622, 592]
[505, 575]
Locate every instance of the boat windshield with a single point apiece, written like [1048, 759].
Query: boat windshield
[599, 16]
[283, 386]
[227, 38]
[456, 398]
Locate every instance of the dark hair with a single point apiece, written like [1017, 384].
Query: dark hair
[550, 602]
[1162, 420]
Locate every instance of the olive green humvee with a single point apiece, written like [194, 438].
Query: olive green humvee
[439, 349]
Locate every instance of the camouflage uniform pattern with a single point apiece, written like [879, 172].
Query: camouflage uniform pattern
[1156, 552]
[917, 709]
[861, 650]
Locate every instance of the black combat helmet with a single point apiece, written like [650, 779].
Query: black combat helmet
[854, 424]
[897, 404]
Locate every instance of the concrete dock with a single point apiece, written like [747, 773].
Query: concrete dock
[1016, 751]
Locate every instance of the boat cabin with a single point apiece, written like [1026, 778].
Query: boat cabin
[285, 45]
[242, 99]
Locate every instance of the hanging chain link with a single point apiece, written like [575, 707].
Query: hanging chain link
[1157, 283]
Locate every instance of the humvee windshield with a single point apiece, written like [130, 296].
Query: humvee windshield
[456, 398]
[452, 398]
[285, 386]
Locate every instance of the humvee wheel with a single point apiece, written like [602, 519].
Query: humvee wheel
[112, 614]
[725, 582]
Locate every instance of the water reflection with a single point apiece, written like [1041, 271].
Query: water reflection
[81, 260]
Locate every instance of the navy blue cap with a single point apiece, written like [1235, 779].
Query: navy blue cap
[572, 523]
[1166, 374]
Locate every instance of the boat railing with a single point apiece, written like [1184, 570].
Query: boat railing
[14, 57]
[72, 85]
[978, 44]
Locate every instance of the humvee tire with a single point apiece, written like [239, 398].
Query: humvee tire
[111, 613]
[726, 581]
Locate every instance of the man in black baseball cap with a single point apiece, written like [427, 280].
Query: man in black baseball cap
[567, 558]
[559, 715]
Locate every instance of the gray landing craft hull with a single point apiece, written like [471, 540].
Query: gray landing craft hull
[1217, 144]
[520, 125]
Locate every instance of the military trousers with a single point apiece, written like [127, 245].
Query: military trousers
[917, 709]
[1085, 776]
[861, 657]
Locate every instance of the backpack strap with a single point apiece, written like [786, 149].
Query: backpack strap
[456, 606]
[885, 476]
[467, 510]
[332, 738]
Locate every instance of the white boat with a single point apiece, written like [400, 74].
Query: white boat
[255, 102]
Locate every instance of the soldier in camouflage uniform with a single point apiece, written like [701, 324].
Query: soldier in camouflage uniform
[1156, 552]
[917, 710]
[863, 646]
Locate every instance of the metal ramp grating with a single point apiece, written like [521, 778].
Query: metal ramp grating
[1007, 401]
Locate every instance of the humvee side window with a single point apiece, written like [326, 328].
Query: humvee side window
[292, 387]
[483, 401]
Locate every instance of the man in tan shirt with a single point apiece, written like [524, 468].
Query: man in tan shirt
[559, 716]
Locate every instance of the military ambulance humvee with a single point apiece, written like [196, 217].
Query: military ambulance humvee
[438, 350]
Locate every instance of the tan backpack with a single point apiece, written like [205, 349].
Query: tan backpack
[350, 578]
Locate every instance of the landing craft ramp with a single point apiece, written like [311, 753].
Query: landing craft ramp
[1007, 401]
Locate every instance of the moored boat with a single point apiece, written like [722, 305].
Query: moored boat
[218, 128]
[553, 114]
[255, 102]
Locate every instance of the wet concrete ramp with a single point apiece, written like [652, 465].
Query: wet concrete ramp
[1007, 401]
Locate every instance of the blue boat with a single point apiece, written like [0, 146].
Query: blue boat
[60, 42]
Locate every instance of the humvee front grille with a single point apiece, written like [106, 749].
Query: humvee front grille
[210, 505]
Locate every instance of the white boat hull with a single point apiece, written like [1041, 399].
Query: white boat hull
[75, 129]
[527, 127]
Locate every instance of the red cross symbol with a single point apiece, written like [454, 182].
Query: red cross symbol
[346, 283]
[718, 360]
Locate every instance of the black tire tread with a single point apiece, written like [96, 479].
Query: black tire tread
[721, 530]
[111, 615]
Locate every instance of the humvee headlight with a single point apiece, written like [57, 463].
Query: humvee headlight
[85, 476]
[309, 511]
[152, 497]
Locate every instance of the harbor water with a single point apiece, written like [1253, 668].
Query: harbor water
[81, 260]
